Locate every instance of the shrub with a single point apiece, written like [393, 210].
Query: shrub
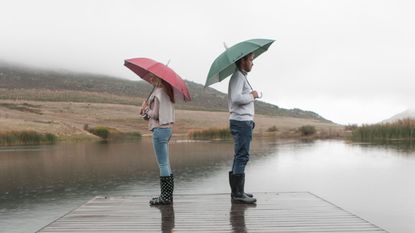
[272, 129]
[307, 130]
[111, 133]
[99, 131]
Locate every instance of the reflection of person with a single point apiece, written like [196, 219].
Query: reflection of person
[160, 110]
[167, 218]
[241, 99]
[237, 217]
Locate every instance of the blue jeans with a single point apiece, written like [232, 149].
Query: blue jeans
[242, 137]
[161, 138]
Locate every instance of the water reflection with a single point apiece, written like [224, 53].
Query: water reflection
[167, 218]
[48, 181]
[237, 217]
[69, 168]
[406, 147]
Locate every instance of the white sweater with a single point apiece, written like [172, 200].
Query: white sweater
[240, 101]
[161, 110]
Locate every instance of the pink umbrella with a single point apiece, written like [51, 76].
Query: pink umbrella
[143, 66]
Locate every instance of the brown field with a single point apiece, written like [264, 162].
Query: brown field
[67, 120]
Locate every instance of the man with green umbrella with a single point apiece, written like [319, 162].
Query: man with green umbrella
[238, 61]
[241, 99]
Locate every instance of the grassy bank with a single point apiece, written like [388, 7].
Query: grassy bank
[400, 130]
[26, 138]
[106, 133]
[303, 132]
[211, 133]
[67, 120]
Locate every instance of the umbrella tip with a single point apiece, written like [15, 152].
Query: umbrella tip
[168, 62]
[224, 45]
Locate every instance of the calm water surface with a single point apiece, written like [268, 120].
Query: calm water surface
[41, 183]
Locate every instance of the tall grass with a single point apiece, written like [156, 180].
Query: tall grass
[107, 133]
[211, 133]
[26, 137]
[399, 130]
[101, 132]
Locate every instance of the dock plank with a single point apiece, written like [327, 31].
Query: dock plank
[274, 212]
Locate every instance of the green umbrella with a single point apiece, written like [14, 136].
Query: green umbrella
[224, 65]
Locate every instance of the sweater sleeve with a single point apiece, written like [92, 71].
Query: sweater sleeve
[237, 96]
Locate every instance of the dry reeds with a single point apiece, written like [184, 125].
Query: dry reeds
[211, 133]
[399, 130]
[26, 137]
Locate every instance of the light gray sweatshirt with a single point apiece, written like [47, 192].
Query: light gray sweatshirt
[161, 110]
[240, 101]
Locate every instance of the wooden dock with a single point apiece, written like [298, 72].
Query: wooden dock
[274, 212]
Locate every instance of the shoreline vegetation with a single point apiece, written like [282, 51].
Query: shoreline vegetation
[26, 137]
[83, 121]
[40, 122]
[306, 131]
[211, 133]
[401, 130]
[30, 137]
[106, 133]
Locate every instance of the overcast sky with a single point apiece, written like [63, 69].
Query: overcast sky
[349, 61]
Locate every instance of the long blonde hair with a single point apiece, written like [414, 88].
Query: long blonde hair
[169, 90]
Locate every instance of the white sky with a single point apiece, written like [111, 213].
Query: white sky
[349, 61]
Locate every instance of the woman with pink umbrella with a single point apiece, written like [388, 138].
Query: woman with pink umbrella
[158, 109]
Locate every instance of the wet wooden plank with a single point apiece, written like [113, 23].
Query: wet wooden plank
[274, 212]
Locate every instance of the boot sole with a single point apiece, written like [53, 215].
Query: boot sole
[239, 201]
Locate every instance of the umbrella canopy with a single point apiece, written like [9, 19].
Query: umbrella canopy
[224, 65]
[143, 66]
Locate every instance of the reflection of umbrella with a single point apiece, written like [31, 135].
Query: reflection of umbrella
[143, 66]
[224, 65]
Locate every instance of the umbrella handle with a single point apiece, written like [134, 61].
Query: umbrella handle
[154, 87]
[252, 89]
[144, 113]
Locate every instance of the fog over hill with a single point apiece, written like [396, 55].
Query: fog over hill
[19, 77]
[409, 113]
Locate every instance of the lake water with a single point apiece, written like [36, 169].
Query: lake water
[41, 183]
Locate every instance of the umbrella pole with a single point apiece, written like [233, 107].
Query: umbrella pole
[154, 87]
[259, 95]
[249, 84]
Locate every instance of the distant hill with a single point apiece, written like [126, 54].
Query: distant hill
[21, 78]
[409, 113]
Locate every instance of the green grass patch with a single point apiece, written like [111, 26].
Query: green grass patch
[107, 133]
[26, 138]
[307, 130]
[211, 133]
[399, 130]
[101, 132]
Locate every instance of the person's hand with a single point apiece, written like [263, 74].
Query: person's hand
[255, 94]
[143, 107]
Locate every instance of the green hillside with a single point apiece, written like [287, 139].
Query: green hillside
[37, 84]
